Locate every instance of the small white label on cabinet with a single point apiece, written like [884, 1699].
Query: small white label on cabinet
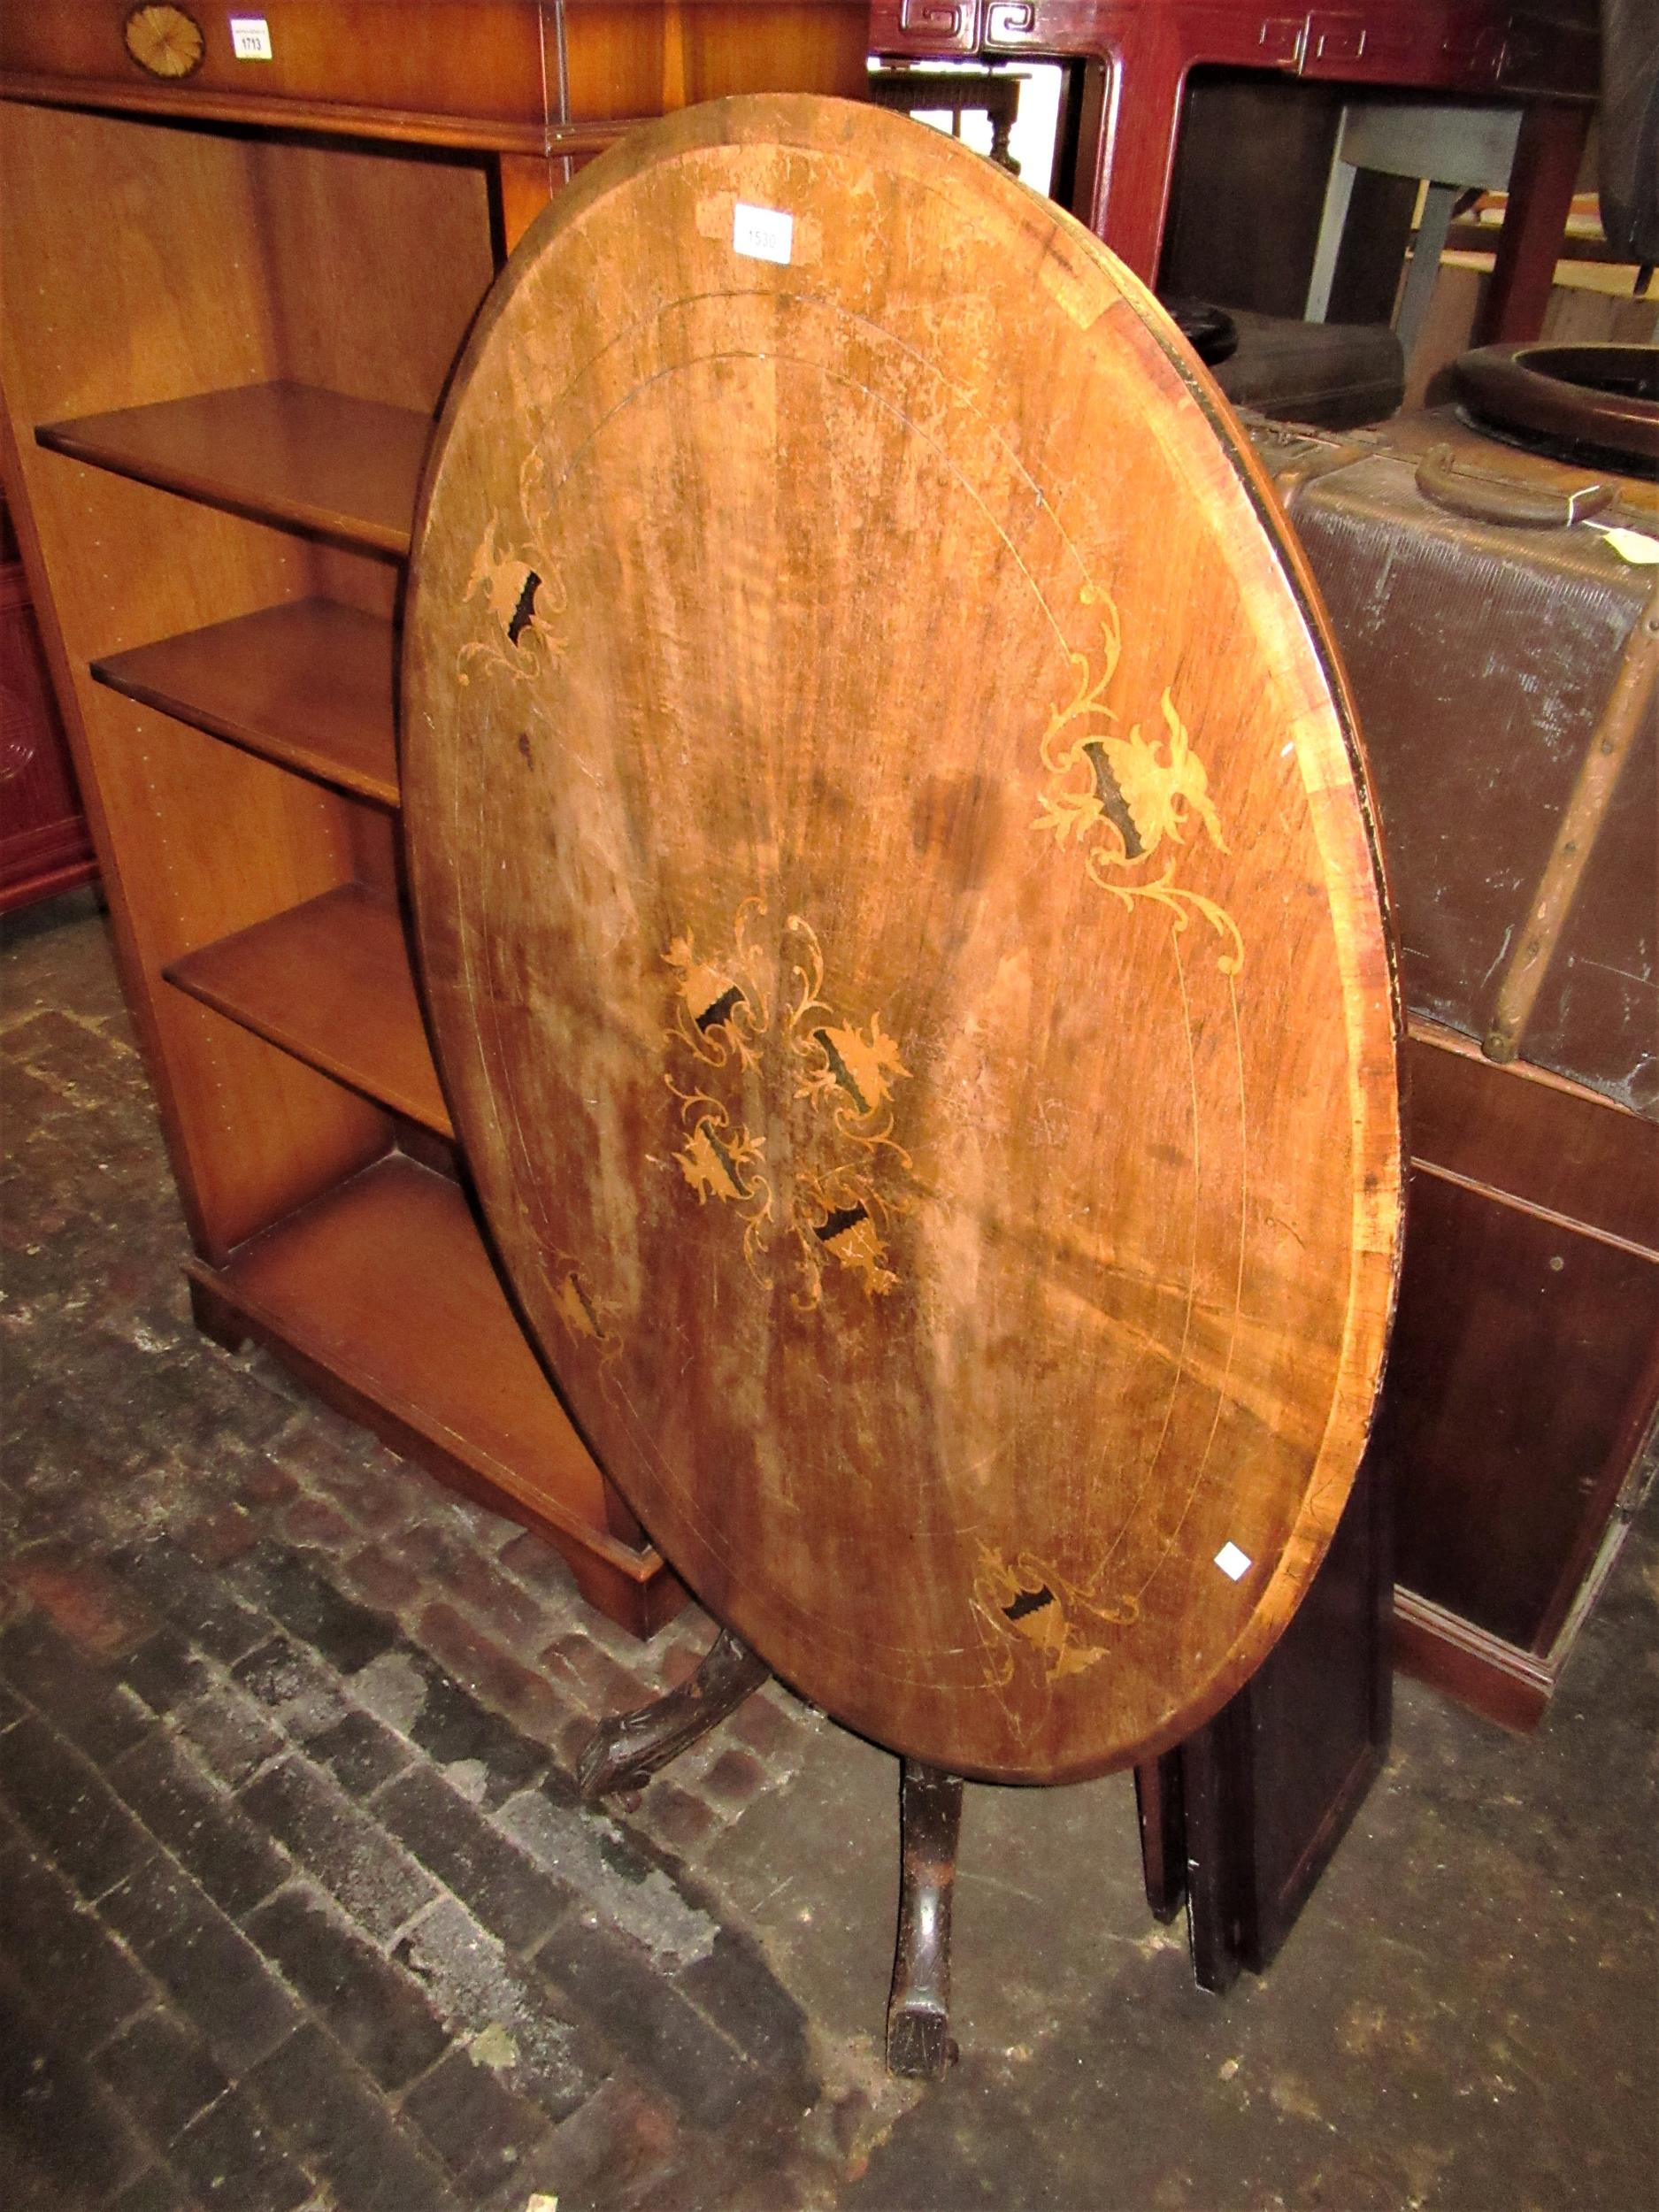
[251, 38]
[1232, 1561]
[764, 234]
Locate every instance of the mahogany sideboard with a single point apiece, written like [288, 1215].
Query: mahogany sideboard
[1135, 56]
[236, 290]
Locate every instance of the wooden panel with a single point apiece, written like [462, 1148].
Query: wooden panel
[1508, 1684]
[322, 208]
[307, 685]
[1243, 1818]
[1315, 1726]
[450, 55]
[1246, 192]
[330, 982]
[385, 1281]
[290, 454]
[1247, 186]
[430, 70]
[1517, 1129]
[1519, 1346]
[934, 1088]
[198, 839]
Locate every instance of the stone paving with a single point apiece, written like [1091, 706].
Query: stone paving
[298, 1908]
[297, 1903]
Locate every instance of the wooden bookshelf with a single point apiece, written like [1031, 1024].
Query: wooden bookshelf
[306, 459]
[226, 334]
[330, 982]
[447, 1375]
[307, 685]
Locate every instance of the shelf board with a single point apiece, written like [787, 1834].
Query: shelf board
[290, 454]
[330, 982]
[383, 1288]
[307, 685]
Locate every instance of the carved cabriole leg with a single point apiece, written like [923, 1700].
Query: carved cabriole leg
[918, 2010]
[624, 1752]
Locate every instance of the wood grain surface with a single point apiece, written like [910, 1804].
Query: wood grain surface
[308, 684]
[902, 935]
[329, 982]
[308, 459]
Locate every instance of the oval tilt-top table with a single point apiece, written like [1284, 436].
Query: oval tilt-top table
[898, 915]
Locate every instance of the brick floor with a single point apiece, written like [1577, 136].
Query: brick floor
[300, 1912]
[297, 1904]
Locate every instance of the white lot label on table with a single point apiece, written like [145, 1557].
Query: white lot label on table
[764, 234]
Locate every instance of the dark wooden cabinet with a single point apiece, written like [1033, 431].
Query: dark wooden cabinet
[1520, 1432]
[1135, 57]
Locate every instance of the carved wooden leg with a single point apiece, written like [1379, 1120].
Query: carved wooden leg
[918, 2010]
[624, 1752]
[1163, 1833]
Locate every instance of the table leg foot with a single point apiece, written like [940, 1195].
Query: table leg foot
[918, 2010]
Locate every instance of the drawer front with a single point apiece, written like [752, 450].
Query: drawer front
[458, 60]
[1378, 46]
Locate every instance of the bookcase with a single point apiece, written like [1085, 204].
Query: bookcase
[231, 303]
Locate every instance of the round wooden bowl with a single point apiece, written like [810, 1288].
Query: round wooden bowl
[1603, 396]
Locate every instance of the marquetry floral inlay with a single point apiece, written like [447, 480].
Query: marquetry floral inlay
[1122, 799]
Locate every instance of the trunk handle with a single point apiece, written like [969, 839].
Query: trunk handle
[1499, 499]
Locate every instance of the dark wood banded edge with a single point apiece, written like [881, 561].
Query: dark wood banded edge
[1495, 1678]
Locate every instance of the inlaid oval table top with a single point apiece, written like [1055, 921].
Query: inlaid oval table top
[901, 932]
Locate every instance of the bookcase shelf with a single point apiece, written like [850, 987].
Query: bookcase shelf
[226, 332]
[330, 982]
[294, 455]
[383, 1287]
[307, 685]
